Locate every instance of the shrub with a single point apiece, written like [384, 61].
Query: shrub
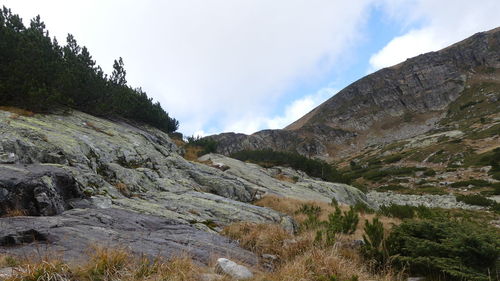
[361, 207]
[312, 212]
[373, 237]
[445, 250]
[397, 211]
[429, 173]
[475, 199]
[474, 182]
[207, 145]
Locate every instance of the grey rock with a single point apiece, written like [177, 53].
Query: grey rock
[75, 231]
[6, 272]
[264, 181]
[236, 271]
[427, 200]
[129, 167]
[7, 158]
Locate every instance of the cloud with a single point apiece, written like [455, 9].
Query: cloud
[299, 108]
[413, 43]
[442, 23]
[293, 111]
[212, 64]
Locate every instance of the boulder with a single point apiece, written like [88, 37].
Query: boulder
[236, 271]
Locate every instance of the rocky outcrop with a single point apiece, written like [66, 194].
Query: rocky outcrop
[75, 232]
[427, 200]
[90, 174]
[394, 103]
[293, 184]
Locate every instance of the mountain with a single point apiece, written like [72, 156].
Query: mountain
[403, 101]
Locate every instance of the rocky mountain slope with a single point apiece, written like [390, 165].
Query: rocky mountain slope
[395, 103]
[83, 180]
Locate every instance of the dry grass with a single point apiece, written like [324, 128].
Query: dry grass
[192, 152]
[322, 264]
[16, 111]
[264, 239]
[123, 189]
[97, 129]
[106, 264]
[299, 257]
[14, 213]
[285, 178]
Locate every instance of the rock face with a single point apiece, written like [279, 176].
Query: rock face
[427, 200]
[305, 188]
[76, 231]
[92, 175]
[394, 103]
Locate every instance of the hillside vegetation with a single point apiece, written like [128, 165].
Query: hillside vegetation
[38, 74]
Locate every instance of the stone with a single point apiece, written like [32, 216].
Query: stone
[236, 271]
[6, 272]
[7, 158]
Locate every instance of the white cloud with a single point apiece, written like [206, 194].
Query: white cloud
[299, 108]
[413, 43]
[293, 111]
[442, 23]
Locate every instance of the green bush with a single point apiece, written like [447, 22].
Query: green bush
[338, 222]
[342, 222]
[312, 212]
[313, 167]
[361, 207]
[429, 173]
[376, 175]
[209, 145]
[474, 182]
[373, 237]
[445, 250]
[397, 211]
[475, 199]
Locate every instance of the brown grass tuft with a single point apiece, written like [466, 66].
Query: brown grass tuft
[97, 129]
[14, 213]
[46, 270]
[285, 178]
[259, 238]
[123, 189]
[16, 111]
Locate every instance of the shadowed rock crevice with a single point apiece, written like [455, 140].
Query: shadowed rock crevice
[36, 190]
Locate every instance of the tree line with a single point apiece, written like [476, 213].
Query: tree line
[39, 74]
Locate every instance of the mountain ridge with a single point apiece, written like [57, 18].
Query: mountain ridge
[391, 104]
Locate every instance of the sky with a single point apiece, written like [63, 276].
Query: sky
[247, 65]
